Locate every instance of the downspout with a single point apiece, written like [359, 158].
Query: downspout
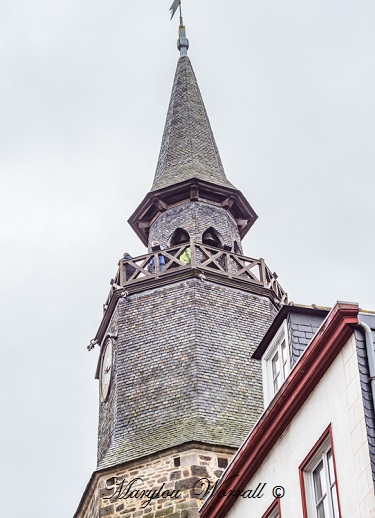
[370, 355]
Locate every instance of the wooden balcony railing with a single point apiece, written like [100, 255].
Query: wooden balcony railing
[191, 255]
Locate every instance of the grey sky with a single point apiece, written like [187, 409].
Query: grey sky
[84, 89]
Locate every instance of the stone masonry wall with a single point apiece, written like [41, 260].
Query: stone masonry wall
[179, 480]
[195, 217]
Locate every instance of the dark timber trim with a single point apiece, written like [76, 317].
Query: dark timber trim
[194, 189]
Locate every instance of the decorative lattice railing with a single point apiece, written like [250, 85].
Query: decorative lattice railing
[204, 258]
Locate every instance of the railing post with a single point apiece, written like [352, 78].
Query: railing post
[156, 265]
[228, 264]
[193, 255]
[262, 272]
[122, 271]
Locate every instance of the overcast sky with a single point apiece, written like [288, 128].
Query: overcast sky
[84, 90]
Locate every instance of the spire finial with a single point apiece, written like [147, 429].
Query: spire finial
[182, 42]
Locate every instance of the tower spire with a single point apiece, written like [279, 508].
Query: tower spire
[189, 167]
[188, 148]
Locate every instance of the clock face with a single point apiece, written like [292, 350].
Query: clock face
[106, 370]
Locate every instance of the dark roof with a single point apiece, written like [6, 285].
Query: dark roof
[280, 317]
[188, 148]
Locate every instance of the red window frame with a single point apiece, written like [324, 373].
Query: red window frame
[275, 505]
[302, 468]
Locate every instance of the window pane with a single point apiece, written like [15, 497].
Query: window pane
[283, 351]
[335, 504]
[318, 482]
[274, 514]
[284, 371]
[284, 359]
[275, 365]
[332, 483]
[320, 511]
[330, 467]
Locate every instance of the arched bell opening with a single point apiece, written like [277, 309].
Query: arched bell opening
[179, 236]
[212, 238]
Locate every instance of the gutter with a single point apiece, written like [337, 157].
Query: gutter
[370, 355]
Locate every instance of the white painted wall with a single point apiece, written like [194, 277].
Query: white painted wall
[337, 400]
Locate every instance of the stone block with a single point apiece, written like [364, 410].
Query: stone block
[187, 483]
[106, 511]
[164, 512]
[190, 513]
[200, 471]
[175, 475]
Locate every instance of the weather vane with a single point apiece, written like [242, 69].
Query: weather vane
[173, 8]
[182, 42]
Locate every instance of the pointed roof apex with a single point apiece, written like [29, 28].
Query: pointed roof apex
[188, 148]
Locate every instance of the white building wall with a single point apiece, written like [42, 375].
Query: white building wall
[337, 401]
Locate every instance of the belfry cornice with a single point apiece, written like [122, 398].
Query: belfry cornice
[193, 189]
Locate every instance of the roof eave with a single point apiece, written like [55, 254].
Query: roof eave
[193, 189]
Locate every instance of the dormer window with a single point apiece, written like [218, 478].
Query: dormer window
[276, 364]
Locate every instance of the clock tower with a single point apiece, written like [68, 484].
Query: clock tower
[178, 390]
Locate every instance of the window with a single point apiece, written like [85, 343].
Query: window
[276, 364]
[222, 463]
[279, 365]
[318, 481]
[274, 510]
